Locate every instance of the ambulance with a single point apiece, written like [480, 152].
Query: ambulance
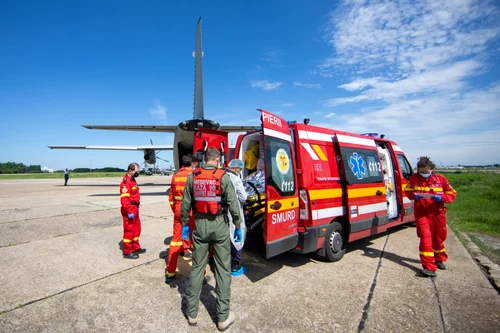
[322, 188]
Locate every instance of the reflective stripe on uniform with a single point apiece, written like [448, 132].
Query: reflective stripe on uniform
[218, 199]
[450, 192]
[136, 238]
[422, 188]
[125, 195]
[427, 254]
[178, 197]
[175, 243]
[409, 188]
[127, 240]
[439, 251]
[180, 179]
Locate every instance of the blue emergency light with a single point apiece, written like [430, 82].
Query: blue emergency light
[370, 134]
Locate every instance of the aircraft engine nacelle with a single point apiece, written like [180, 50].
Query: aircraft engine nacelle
[150, 156]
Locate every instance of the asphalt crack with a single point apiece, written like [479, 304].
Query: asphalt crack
[366, 308]
[440, 308]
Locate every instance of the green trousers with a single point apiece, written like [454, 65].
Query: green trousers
[215, 231]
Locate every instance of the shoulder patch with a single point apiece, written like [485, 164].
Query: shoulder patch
[124, 189]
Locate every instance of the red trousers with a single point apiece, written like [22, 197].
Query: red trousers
[131, 232]
[431, 229]
[176, 244]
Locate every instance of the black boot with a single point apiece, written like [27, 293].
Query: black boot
[440, 265]
[427, 273]
[140, 251]
[132, 255]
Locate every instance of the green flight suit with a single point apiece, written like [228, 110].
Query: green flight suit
[211, 229]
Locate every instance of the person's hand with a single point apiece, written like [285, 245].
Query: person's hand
[437, 198]
[237, 235]
[185, 232]
[418, 196]
[131, 215]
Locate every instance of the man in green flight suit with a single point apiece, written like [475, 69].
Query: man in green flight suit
[210, 193]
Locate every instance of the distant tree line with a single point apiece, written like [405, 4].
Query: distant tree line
[107, 169]
[12, 167]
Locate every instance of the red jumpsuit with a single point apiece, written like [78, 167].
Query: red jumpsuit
[130, 200]
[175, 197]
[430, 216]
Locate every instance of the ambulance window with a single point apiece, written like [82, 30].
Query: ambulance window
[279, 166]
[362, 165]
[405, 166]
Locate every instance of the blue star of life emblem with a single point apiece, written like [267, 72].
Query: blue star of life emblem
[357, 165]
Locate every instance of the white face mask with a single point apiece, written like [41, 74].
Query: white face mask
[425, 175]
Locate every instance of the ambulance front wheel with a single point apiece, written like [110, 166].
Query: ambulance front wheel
[335, 243]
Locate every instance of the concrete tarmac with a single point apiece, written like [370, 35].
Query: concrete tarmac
[63, 271]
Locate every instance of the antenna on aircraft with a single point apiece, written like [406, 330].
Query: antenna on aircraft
[198, 75]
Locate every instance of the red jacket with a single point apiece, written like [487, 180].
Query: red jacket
[436, 184]
[177, 186]
[129, 194]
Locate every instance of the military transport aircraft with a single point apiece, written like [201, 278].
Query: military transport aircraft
[192, 136]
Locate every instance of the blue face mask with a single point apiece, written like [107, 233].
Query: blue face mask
[425, 175]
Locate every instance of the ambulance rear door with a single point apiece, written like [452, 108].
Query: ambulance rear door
[364, 184]
[282, 207]
[205, 138]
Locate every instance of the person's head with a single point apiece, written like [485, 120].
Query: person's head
[196, 161]
[133, 170]
[425, 166]
[236, 165]
[212, 156]
[187, 161]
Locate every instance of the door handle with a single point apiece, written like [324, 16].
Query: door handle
[379, 192]
[276, 205]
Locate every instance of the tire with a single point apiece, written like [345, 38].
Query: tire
[335, 243]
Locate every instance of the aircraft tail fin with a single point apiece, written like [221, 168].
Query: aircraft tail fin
[198, 75]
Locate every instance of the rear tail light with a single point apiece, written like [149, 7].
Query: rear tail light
[303, 204]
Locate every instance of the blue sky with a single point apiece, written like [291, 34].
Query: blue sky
[425, 73]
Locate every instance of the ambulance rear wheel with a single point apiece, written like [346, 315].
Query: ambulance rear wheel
[335, 243]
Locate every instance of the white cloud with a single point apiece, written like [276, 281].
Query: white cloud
[419, 61]
[307, 85]
[288, 105]
[158, 111]
[329, 115]
[266, 85]
[408, 36]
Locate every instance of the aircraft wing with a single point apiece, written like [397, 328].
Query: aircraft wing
[155, 147]
[139, 128]
[166, 128]
[236, 128]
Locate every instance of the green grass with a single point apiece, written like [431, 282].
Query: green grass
[476, 208]
[61, 175]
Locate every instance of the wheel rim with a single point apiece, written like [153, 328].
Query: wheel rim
[336, 241]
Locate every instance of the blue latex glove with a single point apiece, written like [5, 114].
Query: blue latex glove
[131, 215]
[237, 235]
[437, 198]
[185, 232]
[418, 196]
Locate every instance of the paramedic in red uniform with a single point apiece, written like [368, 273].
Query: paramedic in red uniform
[177, 244]
[430, 191]
[130, 201]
